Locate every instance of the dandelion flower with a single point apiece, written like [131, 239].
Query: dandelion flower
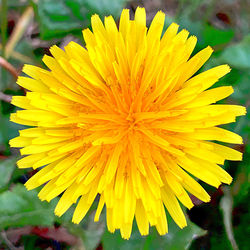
[126, 119]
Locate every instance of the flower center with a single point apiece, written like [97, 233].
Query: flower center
[132, 123]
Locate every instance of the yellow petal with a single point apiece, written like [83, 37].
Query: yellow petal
[173, 207]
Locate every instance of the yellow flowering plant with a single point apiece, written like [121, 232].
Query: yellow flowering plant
[126, 119]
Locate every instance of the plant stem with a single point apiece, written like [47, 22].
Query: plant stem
[18, 31]
[3, 35]
[4, 9]
[226, 206]
[8, 67]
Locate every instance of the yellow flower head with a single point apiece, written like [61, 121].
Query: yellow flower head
[125, 119]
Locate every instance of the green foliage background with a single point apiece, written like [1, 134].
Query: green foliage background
[28, 29]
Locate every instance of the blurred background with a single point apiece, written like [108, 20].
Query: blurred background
[27, 30]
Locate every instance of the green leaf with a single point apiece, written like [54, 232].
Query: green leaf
[17, 4]
[241, 184]
[29, 242]
[206, 34]
[194, 27]
[114, 241]
[6, 169]
[58, 18]
[88, 231]
[213, 36]
[175, 239]
[242, 228]
[241, 89]
[20, 207]
[8, 130]
[237, 55]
